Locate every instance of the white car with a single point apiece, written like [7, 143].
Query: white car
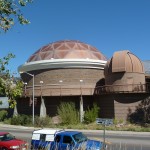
[43, 137]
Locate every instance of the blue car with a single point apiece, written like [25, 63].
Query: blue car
[63, 140]
[75, 140]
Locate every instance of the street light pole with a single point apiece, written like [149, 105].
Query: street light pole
[33, 101]
[32, 75]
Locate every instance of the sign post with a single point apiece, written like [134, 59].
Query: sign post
[105, 122]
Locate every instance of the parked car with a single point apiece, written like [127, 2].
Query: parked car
[63, 140]
[9, 142]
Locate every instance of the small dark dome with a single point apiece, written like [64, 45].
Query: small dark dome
[67, 49]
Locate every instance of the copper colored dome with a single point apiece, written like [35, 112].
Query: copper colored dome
[124, 61]
[67, 49]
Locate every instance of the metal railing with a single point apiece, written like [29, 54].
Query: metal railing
[123, 88]
[87, 89]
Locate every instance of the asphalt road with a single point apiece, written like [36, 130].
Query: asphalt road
[116, 140]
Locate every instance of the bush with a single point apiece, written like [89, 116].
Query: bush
[42, 121]
[3, 115]
[68, 113]
[26, 120]
[21, 120]
[15, 120]
[118, 121]
[91, 114]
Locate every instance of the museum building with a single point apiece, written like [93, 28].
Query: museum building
[73, 71]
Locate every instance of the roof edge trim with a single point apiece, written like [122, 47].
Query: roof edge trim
[62, 63]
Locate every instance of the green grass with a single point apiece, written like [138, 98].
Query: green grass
[94, 126]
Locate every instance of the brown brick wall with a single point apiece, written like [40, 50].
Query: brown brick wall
[111, 106]
[106, 104]
[52, 103]
[71, 81]
[126, 104]
[126, 82]
[120, 106]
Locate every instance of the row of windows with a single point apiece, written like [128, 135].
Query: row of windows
[66, 139]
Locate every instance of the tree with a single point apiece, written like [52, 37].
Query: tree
[10, 12]
[8, 85]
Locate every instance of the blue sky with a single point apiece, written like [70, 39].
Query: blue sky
[108, 25]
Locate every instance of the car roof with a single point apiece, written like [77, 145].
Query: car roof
[69, 132]
[47, 131]
[2, 133]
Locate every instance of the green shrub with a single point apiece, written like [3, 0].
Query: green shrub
[7, 121]
[90, 115]
[118, 121]
[21, 120]
[26, 120]
[3, 115]
[15, 120]
[42, 121]
[68, 113]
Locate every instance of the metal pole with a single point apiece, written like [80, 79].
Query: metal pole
[104, 135]
[33, 102]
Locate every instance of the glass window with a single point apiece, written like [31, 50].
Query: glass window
[57, 138]
[6, 137]
[79, 137]
[67, 140]
[42, 137]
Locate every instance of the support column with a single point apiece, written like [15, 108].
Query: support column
[42, 108]
[81, 103]
[81, 109]
[15, 113]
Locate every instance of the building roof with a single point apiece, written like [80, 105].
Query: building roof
[65, 54]
[67, 49]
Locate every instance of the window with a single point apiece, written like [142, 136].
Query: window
[42, 137]
[67, 140]
[79, 137]
[57, 138]
[6, 137]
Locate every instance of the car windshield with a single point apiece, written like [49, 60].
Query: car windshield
[6, 137]
[80, 137]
